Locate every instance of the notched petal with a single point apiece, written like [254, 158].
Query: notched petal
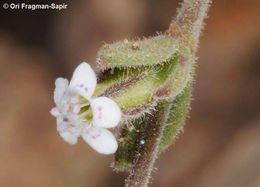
[83, 80]
[106, 113]
[101, 140]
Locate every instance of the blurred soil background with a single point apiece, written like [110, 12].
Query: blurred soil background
[221, 143]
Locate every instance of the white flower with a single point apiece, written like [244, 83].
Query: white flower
[80, 115]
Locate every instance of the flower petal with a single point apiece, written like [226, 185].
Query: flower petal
[101, 140]
[55, 111]
[84, 80]
[106, 113]
[69, 137]
[61, 85]
[61, 125]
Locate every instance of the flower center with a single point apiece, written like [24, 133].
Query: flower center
[80, 107]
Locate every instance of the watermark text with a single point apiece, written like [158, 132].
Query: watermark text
[26, 6]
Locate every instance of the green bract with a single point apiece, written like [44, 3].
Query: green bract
[145, 52]
[138, 75]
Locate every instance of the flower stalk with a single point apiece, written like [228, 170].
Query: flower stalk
[148, 146]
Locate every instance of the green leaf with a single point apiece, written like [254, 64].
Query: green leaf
[178, 111]
[129, 141]
[145, 52]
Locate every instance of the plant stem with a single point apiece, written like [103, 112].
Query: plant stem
[190, 19]
[147, 153]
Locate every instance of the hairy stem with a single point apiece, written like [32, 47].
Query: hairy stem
[147, 153]
[190, 18]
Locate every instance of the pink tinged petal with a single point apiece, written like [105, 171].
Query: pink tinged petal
[74, 99]
[61, 86]
[67, 108]
[101, 140]
[74, 130]
[87, 128]
[83, 80]
[106, 113]
[69, 137]
[76, 109]
[55, 111]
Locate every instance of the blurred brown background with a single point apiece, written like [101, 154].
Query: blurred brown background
[221, 143]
